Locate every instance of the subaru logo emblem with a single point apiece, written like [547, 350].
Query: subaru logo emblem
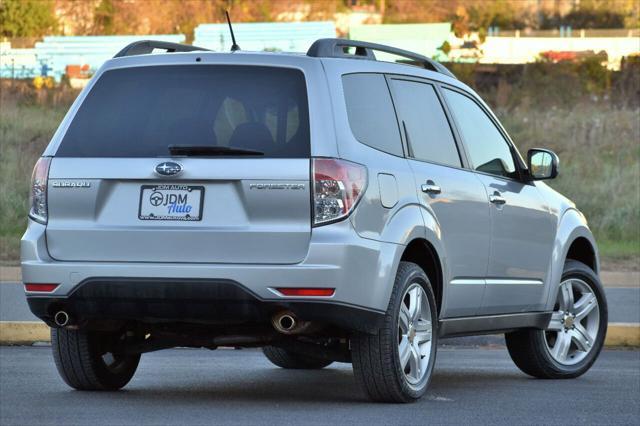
[168, 168]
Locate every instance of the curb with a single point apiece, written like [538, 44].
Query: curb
[623, 334]
[10, 273]
[620, 279]
[23, 332]
[619, 334]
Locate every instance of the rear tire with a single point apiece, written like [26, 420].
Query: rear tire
[287, 359]
[579, 322]
[409, 331]
[85, 363]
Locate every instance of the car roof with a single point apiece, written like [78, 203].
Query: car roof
[324, 49]
[280, 59]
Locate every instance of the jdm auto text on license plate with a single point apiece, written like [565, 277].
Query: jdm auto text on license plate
[171, 202]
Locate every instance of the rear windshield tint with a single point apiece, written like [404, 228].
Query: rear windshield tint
[139, 112]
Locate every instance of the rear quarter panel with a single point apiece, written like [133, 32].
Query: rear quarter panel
[389, 210]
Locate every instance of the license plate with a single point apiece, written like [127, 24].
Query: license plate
[171, 202]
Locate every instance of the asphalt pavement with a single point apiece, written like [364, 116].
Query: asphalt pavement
[192, 387]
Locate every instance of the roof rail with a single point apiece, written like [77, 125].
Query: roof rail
[143, 47]
[336, 48]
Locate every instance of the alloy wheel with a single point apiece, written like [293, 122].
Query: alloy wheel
[574, 324]
[415, 332]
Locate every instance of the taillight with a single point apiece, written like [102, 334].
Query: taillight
[338, 185]
[38, 196]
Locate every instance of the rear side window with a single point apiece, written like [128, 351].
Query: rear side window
[427, 128]
[139, 112]
[371, 115]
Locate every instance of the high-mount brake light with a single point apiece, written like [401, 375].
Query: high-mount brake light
[38, 195]
[338, 185]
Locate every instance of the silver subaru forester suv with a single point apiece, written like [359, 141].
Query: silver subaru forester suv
[327, 207]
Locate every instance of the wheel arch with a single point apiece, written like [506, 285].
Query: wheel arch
[575, 241]
[421, 252]
[583, 251]
[418, 235]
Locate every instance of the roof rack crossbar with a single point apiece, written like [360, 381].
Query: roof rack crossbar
[336, 48]
[143, 47]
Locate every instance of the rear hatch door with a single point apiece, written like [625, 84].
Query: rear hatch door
[188, 163]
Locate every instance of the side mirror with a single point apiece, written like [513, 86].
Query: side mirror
[542, 163]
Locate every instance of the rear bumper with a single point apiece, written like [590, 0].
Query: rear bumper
[361, 271]
[214, 302]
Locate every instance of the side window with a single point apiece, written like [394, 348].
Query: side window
[488, 150]
[370, 112]
[426, 125]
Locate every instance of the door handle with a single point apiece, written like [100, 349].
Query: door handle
[430, 188]
[498, 199]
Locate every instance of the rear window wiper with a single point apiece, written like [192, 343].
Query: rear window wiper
[208, 150]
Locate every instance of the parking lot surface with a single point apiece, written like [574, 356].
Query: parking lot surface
[191, 387]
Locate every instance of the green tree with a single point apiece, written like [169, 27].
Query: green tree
[446, 47]
[478, 15]
[27, 18]
[103, 19]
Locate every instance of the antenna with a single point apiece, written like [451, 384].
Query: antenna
[234, 46]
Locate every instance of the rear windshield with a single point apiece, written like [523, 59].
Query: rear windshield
[139, 112]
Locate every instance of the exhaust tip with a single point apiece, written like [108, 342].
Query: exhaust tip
[284, 322]
[61, 318]
[287, 322]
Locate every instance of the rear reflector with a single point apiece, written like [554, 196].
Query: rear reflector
[312, 292]
[40, 287]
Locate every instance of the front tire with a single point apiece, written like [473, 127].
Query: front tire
[575, 335]
[84, 360]
[395, 365]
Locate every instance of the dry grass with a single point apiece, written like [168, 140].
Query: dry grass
[599, 149]
[25, 130]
